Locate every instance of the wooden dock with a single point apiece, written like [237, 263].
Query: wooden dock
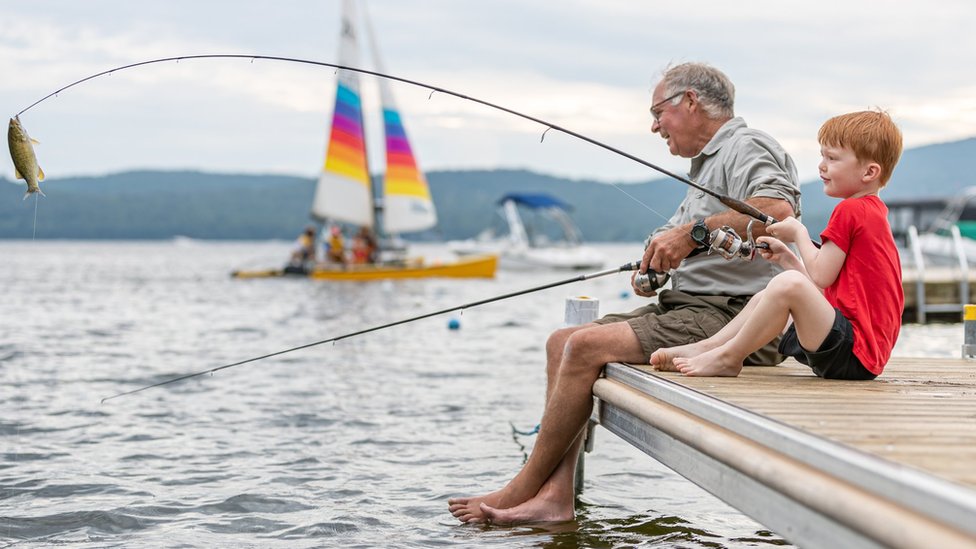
[823, 463]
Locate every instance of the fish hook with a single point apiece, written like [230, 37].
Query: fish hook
[431, 94]
[543, 138]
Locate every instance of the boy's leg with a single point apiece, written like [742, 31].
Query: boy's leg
[788, 293]
[663, 359]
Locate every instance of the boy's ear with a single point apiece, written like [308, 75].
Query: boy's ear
[872, 171]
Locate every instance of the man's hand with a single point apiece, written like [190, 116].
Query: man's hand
[637, 290]
[667, 249]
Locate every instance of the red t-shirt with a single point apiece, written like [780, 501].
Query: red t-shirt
[868, 290]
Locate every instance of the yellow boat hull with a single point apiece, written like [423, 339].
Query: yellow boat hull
[468, 267]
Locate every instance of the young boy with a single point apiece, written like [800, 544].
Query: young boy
[845, 298]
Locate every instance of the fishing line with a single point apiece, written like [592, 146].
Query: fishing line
[633, 266]
[36, 202]
[732, 203]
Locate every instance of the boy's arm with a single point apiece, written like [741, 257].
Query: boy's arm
[823, 264]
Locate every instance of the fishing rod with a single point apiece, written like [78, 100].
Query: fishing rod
[732, 203]
[648, 282]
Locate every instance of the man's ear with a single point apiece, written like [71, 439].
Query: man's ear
[692, 96]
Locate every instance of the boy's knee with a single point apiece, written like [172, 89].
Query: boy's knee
[788, 282]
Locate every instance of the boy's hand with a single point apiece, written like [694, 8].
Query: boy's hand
[779, 253]
[788, 230]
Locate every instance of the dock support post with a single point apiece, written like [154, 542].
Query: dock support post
[580, 310]
[969, 325]
[916, 249]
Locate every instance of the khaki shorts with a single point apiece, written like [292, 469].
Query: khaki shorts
[679, 318]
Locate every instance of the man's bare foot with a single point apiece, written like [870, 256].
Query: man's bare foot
[537, 509]
[711, 363]
[469, 509]
[662, 359]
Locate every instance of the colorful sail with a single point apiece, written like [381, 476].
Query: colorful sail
[344, 192]
[407, 205]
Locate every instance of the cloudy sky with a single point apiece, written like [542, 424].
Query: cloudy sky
[587, 65]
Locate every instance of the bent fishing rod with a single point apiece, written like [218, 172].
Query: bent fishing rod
[651, 283]
[732, 203]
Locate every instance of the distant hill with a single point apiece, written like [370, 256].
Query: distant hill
[156, 204]
[153, 205]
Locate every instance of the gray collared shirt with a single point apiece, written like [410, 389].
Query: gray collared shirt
[742, 163]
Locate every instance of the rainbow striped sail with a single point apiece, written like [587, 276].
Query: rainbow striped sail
[343, 192]
[407, 205]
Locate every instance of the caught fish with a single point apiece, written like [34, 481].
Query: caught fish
[22, 153]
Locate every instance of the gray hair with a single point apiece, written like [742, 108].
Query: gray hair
[715, 91]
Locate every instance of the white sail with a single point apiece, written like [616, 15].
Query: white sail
[344, 191]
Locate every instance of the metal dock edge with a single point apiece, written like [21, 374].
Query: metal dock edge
[812, 491]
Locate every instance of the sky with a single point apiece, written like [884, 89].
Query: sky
[587, 65]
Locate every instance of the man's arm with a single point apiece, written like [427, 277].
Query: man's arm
[669, 248]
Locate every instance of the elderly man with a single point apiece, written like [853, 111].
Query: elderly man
[692, 108]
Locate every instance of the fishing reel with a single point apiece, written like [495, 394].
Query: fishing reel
[650, 281]
[727, 243]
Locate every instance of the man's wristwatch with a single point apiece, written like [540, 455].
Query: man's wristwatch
[700, 234]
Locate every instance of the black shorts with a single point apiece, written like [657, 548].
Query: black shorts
[835, 358]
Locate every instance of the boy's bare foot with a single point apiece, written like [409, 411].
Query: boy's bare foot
[537, 509]
[662, 359]
[711, 363]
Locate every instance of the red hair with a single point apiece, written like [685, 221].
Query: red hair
[872, 135]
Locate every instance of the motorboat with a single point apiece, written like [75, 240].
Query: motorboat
[532, 231]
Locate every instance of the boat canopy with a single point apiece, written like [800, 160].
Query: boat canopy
[537, 200]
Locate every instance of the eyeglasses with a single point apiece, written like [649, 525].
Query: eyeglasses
[655, 113]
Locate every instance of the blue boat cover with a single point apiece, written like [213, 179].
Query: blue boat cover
[537, 200]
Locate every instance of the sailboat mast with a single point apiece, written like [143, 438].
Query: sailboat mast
[378, 199]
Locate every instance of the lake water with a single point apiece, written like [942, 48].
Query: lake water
[358, 444]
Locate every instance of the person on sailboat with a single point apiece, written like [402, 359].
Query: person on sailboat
[692, 108]
[364, 246]
[303, 253]
[335, 251]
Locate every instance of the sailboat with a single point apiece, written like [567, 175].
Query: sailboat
[345, 194]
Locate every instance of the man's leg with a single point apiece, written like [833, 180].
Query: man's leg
[555, 501]
[555, 346]
[789, 293]
[567, 409]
